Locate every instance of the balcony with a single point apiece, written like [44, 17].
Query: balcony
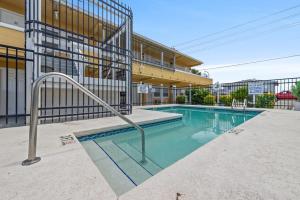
[150, 73]
[147, 59]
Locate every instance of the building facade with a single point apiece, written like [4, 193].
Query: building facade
[162, 70]
[90, 40]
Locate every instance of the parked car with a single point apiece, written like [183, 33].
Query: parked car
[285, 95]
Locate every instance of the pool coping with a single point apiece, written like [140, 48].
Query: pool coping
[84, 133]
[118, 130]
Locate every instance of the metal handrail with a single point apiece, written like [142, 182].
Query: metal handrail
[32, 158]
[233, 103]
[245, 104]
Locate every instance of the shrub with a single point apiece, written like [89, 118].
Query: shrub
[157, 102]
[265, 101]
[180, 99]
[240, 94]
[226, 100]
[198, 95]
[209, 100]
[296, 90]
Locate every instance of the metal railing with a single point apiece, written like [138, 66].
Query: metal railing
[32, 158]
[234, 104]
[245, 104]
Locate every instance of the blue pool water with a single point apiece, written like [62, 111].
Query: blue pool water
[169, 141]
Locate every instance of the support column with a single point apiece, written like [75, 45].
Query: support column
[141, 96]
[113, 75]
[142, 51]
[174, 62]
[161, 93]
[190, 94]
[162, 58]
[174, 94]
[33, 38]
[128, 81]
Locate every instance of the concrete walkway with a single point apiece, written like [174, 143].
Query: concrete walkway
[65, 172]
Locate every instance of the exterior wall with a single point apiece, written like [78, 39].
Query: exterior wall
[14, 103]
[11, 37]
[166, 76]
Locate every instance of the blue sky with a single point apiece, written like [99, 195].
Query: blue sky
[174, 22]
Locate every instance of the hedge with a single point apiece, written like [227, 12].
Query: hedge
[209, 100]
[180, 99]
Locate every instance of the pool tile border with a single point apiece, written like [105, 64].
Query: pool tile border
[123, 130]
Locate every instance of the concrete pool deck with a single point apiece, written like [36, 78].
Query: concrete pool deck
[65, 172]
[261, 162]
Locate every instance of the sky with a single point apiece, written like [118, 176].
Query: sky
[184, 23]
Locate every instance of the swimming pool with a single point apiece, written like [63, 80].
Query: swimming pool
[166, 142]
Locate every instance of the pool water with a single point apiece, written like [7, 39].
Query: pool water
[166, 142]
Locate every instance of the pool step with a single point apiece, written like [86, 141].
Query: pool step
[117, 180]
[135, 154]
[129, 166]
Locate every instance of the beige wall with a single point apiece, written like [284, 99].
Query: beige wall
[155, 75]
[12, 37]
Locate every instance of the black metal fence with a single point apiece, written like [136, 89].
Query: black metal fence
[91, 42]
[273, 94]
[14, 85]
[88, 40]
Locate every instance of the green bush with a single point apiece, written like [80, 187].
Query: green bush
[157, 102]
[296, 90]
[226, 100]
[265, 101]
[180, 99]
[198, 95]
[209, 100]
[240, 94]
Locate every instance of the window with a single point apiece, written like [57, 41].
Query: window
[157, 92]
[53, 64]
[50, 45]
[75, 39]
[165, 92]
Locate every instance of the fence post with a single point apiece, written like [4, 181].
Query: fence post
[161, 93]
[190, 94]
[174, 94]
[141, 96]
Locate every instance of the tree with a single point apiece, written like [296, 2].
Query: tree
[198, 95]
[195, 71]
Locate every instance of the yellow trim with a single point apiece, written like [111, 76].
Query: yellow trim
[11, 37]
[155, 75]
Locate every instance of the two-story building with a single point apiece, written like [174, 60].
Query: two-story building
[92, 42]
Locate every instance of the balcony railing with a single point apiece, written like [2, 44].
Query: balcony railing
[147, 59]
[152, 61]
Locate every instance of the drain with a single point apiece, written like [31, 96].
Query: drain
[69, 139]
[236, 131]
